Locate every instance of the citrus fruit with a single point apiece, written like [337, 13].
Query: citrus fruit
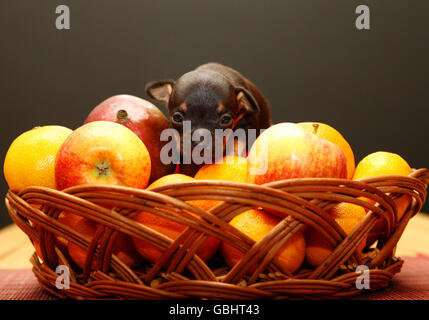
[348, 216]
[381, 163]
[170, 178]
[384, 163]
[123, 247]
[179, 177]
[256, 224]
[329, 133]
[231, 168]
[169, 227]
[68, 219]
[30, 159]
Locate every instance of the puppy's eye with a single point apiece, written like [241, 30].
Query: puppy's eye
[225, 120]
[177, 117]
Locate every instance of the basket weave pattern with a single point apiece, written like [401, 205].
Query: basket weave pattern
[180, 273]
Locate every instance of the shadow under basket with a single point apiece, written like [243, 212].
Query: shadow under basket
[180, 273]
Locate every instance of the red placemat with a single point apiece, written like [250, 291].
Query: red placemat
[412, 283]
[21, 284]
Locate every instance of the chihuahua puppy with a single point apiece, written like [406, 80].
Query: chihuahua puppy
[212, 96]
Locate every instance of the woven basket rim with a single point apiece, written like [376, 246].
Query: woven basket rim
[301, 202]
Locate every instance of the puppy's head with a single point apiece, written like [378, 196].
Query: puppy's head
[208, 101]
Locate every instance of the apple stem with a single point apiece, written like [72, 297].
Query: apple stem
[315, 126]
[103, 169]
[122, 115]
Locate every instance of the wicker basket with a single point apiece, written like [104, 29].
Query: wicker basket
[180, 274]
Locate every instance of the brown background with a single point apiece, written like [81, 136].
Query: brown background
[306, 56]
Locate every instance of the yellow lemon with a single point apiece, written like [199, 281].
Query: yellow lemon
[382, 163]
[30, 159]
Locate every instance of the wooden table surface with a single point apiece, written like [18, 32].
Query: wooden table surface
[16, 248]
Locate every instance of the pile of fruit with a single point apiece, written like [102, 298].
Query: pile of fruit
[119, 145]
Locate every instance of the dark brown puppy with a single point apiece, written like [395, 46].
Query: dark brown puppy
[212, 96]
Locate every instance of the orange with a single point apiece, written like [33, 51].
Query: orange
[30, 160]
[123, 247]
[170, 178]
[179, 177]
[231, 168]
[384, 163]
[329, 133]
[171, 228]
[348, 216]
[68, 219]
[256, 224]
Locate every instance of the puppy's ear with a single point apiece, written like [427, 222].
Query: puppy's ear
[246, 101]
[160, 90]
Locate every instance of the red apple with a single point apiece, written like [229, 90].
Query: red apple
[143, 118]
[287, 151]
[102, 152]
